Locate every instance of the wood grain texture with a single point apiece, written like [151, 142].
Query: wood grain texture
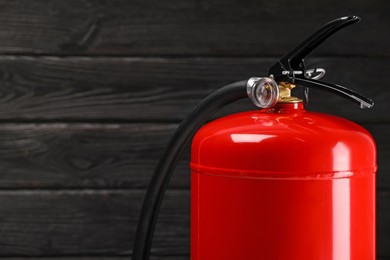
[153, 257]
[178, 27]
[73, 156]
[54, 223]
[383, 224]
[186, 257]
[159, 89]
[47, 223]
[83, 155]
[381, 134]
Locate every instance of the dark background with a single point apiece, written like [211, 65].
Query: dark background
[90, 92]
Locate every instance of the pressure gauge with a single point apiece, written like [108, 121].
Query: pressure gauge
[264, 92]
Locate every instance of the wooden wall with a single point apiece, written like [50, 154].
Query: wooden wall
[91, 90]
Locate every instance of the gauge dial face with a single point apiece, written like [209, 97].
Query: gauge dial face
[264, 92]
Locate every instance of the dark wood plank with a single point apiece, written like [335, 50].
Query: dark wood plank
[83, 155]
[39, 223]
[72, 156]
[186, 27]
[158, 89]
[381, 134]
[153, 257]
[54, 223]
[383, 224]
[117, 258]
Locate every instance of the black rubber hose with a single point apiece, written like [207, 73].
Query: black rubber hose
[163, 172]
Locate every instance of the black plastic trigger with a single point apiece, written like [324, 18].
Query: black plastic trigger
[291, 67]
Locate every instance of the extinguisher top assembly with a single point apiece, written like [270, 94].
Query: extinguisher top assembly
[278, 182]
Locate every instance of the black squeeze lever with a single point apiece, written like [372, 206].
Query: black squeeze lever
[291, 67]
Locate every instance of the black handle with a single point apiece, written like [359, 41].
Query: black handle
[297, 54]
[363, 101]
[291, 67]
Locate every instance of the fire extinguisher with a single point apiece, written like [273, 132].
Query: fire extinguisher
[276, 183]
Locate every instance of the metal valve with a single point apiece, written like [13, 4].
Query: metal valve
[290, 70]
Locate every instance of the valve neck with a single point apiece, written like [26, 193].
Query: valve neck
[285, 107]
[285, 93]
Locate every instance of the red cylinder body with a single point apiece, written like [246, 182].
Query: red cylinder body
[283, 184]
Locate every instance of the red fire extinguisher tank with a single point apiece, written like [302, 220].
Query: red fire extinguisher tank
[283, 183]
[279, 183]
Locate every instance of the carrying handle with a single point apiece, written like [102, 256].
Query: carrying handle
[358, 98]
[291, 67]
